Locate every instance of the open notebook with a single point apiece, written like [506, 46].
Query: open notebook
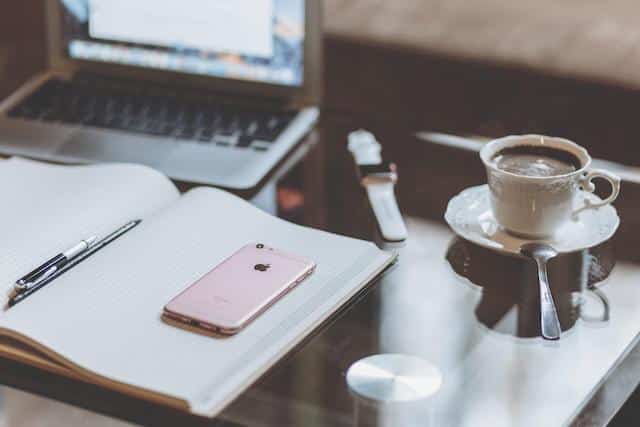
[102, 321]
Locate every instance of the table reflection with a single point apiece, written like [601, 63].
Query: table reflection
[510, 302]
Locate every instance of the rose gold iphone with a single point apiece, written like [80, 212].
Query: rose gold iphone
[235, 292]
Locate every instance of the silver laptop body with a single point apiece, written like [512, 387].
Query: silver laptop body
[251, 108]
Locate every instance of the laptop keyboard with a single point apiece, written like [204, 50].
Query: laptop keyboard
[116, 105]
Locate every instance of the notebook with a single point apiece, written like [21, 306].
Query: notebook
[101, 321]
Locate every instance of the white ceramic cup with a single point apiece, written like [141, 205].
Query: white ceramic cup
[537, 206]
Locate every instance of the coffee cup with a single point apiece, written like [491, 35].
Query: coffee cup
[535, 179]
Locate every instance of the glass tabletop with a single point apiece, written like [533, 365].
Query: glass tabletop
[473, 314]
[469, 313]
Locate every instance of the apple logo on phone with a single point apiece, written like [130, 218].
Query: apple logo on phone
[262, 267]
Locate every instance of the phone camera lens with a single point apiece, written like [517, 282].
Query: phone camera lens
[259, 246]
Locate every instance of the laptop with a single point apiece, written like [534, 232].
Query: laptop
[211, 92]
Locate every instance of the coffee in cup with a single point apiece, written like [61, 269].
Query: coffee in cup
[534, 180]
[529, 160]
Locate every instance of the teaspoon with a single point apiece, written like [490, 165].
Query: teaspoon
[541, 254]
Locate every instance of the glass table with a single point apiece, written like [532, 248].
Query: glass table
[470, 312]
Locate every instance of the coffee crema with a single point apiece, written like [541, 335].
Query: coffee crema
[536, 161]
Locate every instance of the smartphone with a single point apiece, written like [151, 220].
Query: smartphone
[238, 290]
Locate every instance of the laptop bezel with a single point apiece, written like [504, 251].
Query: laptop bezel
[307, 94]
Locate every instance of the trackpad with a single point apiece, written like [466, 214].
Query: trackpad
[98, 146]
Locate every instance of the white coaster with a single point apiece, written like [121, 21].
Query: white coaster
[393, 378]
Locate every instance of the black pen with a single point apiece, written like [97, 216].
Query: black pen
[52, 265]
[49, 277]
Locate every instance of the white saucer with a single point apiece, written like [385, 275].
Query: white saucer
[469, 215]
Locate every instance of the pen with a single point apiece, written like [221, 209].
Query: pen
[40, 283]
[57, 261]
[44, 276]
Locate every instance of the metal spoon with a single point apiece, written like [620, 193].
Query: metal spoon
[541, 254]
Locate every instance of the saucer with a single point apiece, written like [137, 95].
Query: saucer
[469, 215]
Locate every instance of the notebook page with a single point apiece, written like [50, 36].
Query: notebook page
[49, 208]
[119, 299]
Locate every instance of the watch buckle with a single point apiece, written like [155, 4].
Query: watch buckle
[380, 179]
[387, 176]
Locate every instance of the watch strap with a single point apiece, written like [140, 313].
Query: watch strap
[367, 151]
[385, 208]
[364, 147]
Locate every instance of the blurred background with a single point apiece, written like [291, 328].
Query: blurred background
[488, 67]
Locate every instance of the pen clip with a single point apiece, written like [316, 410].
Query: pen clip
[44, 276]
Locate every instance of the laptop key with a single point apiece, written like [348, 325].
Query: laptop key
[185, 133]
[244, 141]
[168, 129]
[206, 135]
[158, 129]
[96, 121]
[24, 112]
[252, 128]
[119, 123]
[51, 116]
[79, 117]
[271, 129]
[260, 145]
[225, 140]
[264, 136]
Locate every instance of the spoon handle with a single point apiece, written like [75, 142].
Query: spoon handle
[549, 322]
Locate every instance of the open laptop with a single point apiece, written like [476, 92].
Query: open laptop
[207, 91]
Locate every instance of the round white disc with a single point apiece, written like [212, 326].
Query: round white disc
[393, 378]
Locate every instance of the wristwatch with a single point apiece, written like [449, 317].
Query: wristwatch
[378, 178]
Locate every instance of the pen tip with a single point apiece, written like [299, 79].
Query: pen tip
[91, 240]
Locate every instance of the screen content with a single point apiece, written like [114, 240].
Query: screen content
[256, 40]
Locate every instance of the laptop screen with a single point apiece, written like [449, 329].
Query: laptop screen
[254, 40]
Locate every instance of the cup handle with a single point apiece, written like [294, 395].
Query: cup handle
[588, 186]
[605, 307]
